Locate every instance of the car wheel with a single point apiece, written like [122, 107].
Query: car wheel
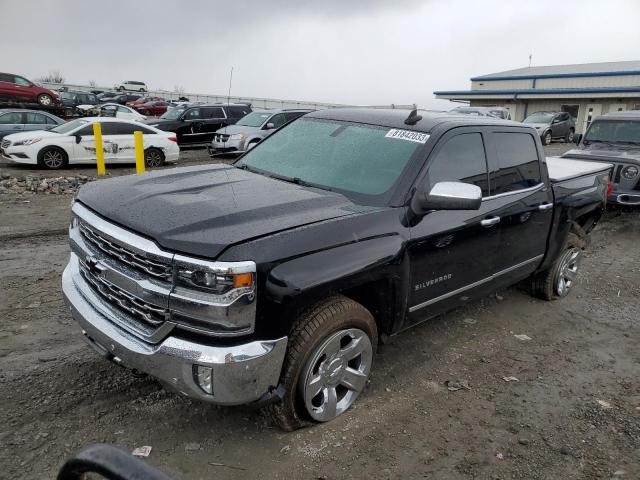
[252, 144]
[45, 100]
[142, 89]
[153, 157]
[558, 280]
[546, 138]
[52, 158]
[570, 136]
[121, 88]
[328, 362]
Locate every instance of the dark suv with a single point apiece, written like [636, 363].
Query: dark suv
[71, 99]
[197, 125]
[552, 126]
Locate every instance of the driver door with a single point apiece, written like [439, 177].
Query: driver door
[452, 252]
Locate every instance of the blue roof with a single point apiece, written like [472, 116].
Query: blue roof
[540, 91]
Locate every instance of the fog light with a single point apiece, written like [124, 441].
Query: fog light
[204, 378]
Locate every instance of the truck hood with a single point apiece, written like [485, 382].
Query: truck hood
[204, 209]
[607, 152]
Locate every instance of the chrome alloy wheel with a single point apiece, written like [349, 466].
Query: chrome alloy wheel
[568, 271]
[53, 159]
[336, 373]
[153, 158]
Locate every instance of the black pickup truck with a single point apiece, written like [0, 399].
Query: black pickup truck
[273, 279]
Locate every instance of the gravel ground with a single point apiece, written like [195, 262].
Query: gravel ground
[574, 412]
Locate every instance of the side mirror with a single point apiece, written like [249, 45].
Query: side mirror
[577, 138]
[269, 126]
[447, 196]
[78, 138]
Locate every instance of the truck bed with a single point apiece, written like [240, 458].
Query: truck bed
[561, 169]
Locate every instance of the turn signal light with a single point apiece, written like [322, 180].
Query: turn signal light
[242, 280]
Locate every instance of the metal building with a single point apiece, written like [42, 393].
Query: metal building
[584, 90]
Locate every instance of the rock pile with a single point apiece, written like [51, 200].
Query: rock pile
[41, 184]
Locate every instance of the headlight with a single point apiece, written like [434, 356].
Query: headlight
[28, 141]
[237, 136]
[214, 282]
[630, 172]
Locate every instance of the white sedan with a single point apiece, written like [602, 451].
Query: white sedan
[73, 142]
[114, 110]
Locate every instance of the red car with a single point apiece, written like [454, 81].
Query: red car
[153, 109]
[18, 89]
[140, 101]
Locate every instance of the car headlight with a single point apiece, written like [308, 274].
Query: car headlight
[630, 172]
[237, 136]
[27, 142]
[214, 282]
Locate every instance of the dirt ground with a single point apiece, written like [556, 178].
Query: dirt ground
[574, 412]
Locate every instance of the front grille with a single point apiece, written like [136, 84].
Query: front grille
[219, 137]
[151, 315]
[124, 255]
[6, 143]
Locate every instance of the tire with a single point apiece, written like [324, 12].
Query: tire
[557, 280]
[153, 157]
[317, 358]
[121, 88]
[45, 100]
[142, 90]
[53, 158]
[570, 135]
[252, 144]
[546, 138]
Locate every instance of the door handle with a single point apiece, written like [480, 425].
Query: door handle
[489, 222]
[545, 206]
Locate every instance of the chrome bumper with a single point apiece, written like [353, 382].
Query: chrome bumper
[241, 373]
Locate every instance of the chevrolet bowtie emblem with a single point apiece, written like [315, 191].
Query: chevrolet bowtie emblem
[94, 266]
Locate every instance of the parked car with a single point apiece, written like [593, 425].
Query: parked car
[153, 108]
[132, 85]
[272, 279]
[497, 112]
[20, 120]
[196, 126]
[614, 138]
[14, 88]
[119, 111]
[552, 126]
[124, 98]
[72, 99]
[73, 142]
[142, 100]
[107, 96]
[247, 132]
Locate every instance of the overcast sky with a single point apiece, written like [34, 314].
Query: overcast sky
[356, 52]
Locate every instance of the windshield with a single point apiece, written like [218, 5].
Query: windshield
[171, 114]
[67, 95]
[69, 126]
[540, 117]
[622, 131]
[359, 159]
[254, 119]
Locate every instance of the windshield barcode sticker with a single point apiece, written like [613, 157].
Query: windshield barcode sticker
[417, 137]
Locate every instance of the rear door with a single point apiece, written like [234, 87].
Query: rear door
[11, 122]
[453, 252]
[6, 86]
[214, 119]
[191, 130]
[521, 199]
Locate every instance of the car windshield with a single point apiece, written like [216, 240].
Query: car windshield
[171, 114]
[69, 126]
[540, 117]
[67, 95]
[621, 131]
[254, 119]
[361, 161]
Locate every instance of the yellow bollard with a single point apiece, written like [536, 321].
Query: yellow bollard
[137, 136]
[97, 135]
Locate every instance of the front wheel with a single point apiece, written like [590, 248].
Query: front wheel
[52, 158]
[546, 138]
[45, 100]
[328, 362]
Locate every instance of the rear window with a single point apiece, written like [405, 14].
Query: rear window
[518, 164]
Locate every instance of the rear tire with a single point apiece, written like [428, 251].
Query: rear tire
[153, 157]
[53, 158]
[570, 135]
[332, 344]
[556, 282]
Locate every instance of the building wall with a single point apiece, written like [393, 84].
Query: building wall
[519, 109]
[564, 82]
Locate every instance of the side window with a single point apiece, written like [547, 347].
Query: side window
[518, 163]
[5, 77]
[12, 118]
[291, 116]
[110, 128]
[51, 121]
[192, 114]
[212, 112]
[129, 129]
[238, 112]
[278, 120]
[36, 118]
[86, 131]
[21, 81]
[461, 159]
